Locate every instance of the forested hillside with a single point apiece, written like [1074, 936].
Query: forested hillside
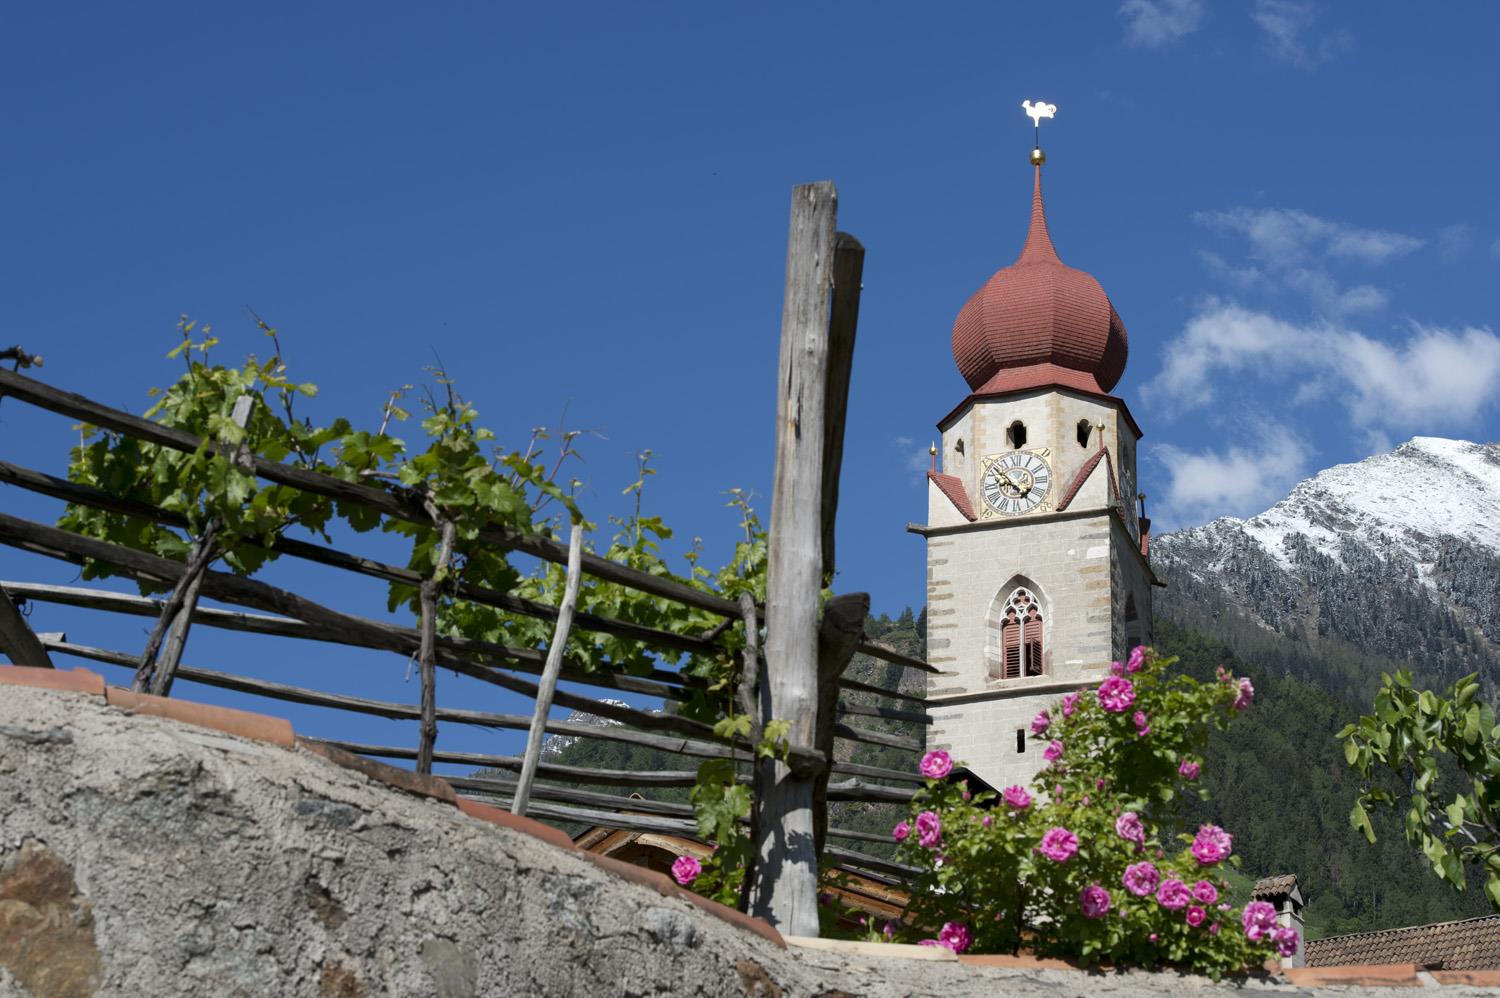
[1278, 781]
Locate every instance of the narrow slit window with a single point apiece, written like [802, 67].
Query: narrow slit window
[1020, 741]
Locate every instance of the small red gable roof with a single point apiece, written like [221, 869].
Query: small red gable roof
[953, 488]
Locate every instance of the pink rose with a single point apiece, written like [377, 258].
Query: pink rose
[1017, 797]
[685, 870]
[1116, 694]
[1142, 723]
[1246, 694]
[1213, 929]
[1211, 844]
[1128, 826]
[1053, 751]
[1189, 769]
[1173, 894]
[1117, 668]
[987, 820]
[1058, 844]
[1069, 701]
[1259, 918]
[929, 830]
[901, 831]
[936, 764]
[1041, 722]
[955, 936]
[1195, 916]
[1141, 879]
[1205, 892]
[1285, 940]
[1137, 659]
[1094, 901]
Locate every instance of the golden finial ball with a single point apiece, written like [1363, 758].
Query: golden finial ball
[1038, 157]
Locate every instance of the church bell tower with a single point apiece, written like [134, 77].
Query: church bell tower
[1037, 567]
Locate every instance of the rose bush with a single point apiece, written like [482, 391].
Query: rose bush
[1090, 861]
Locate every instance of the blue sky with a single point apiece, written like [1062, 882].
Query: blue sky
[582, 209]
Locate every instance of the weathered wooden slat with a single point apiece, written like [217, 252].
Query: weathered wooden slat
[889, 713]
[569, 795]
[785, 881]
[858, 861]
[847, 733]
[875, 650]
[841, 628]
[880, 691]
[254, 623]
[843, 320]
[548, 685]
[846, 790]
[401, 507]
[17, 640]
[544, 770]
[59, 488]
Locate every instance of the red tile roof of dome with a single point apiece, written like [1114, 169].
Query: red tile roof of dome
[1039, 322]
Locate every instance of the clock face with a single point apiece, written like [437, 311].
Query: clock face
[1015, 483]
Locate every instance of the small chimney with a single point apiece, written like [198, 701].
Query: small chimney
[1282, 892]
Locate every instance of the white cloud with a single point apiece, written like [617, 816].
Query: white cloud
[1239, 481]
[1223, 338]
[1159, 23]
[1434, 379]
[916, 460]
[1289, 33]
[1285, 237]
[1289, 250]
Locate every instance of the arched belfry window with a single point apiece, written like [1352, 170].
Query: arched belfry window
[1085, 429]
[1015, 433]
[1017, 640]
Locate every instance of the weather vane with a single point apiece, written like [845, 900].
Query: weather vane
[1036, 112]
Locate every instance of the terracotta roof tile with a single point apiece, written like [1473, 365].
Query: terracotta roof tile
[953, 488]
[1275, 886]
[1472, 944]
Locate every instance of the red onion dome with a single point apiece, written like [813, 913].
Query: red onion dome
[1039, 322]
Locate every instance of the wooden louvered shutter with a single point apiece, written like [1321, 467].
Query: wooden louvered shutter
[1033, 642]
[1010, 635]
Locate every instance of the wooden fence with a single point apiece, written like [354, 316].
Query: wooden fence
[798, 675]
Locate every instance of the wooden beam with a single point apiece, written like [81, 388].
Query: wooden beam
[17, 641]
[840, 630]
[848, 272]
[548, 686]
[786, 863]
[255, 623]
[889, 713]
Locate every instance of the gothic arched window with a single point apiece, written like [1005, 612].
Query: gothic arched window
[1021, 636]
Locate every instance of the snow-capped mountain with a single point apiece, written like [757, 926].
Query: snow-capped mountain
[1397, 556]
[552, 745]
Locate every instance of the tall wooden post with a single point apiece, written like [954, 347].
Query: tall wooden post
[785, 888]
